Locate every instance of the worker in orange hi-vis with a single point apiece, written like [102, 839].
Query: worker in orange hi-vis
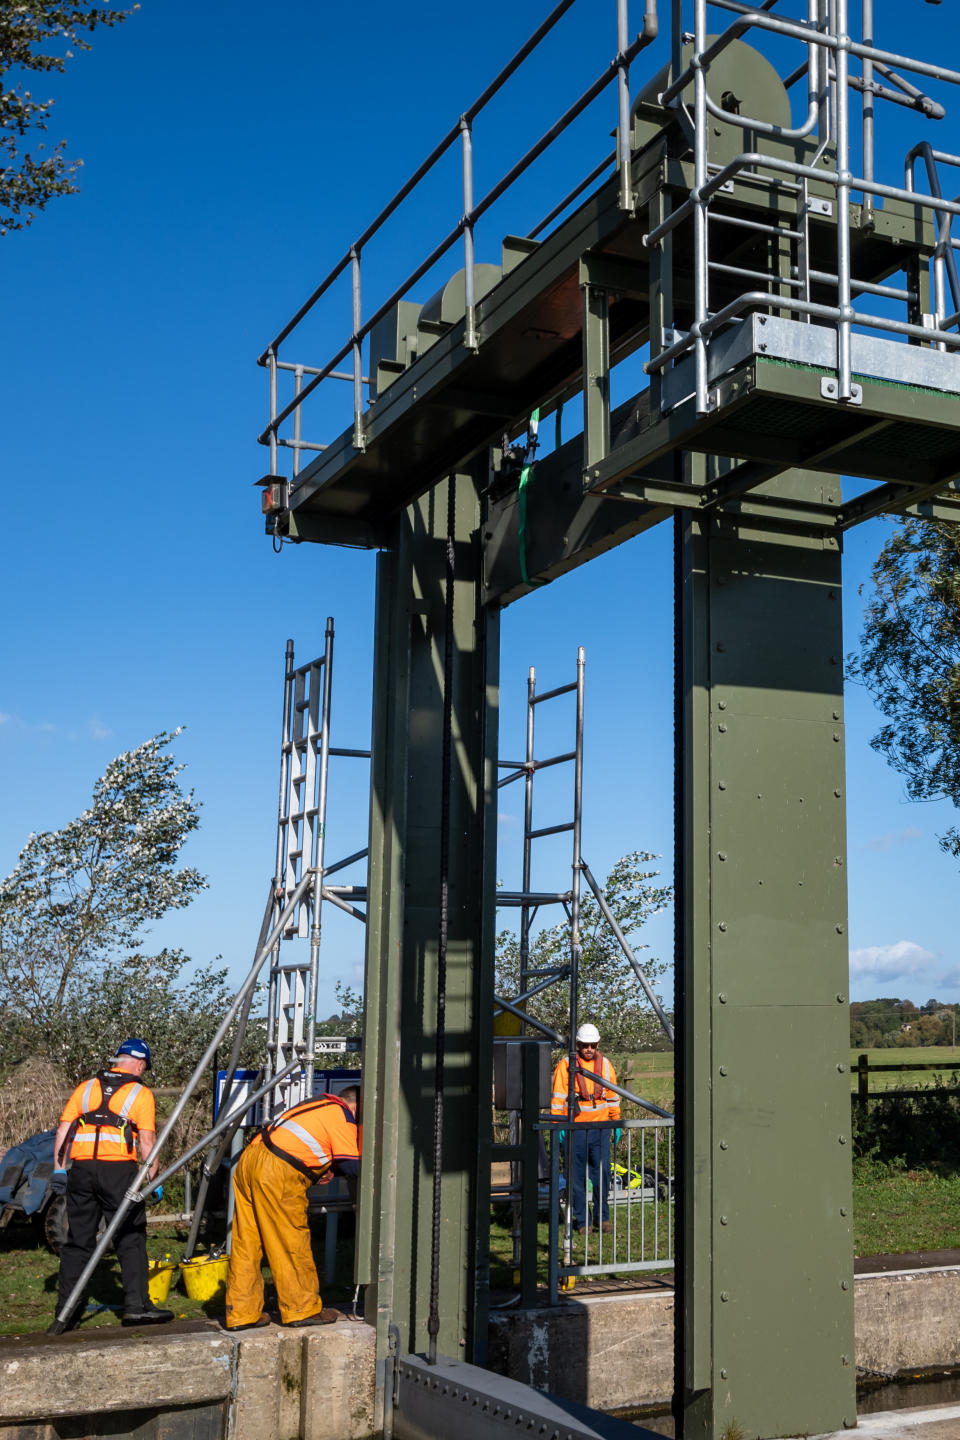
[106, 1121]
[588, 1149]
[270, 1187]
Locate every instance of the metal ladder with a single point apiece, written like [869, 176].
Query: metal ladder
[305, 752]
[529, 902]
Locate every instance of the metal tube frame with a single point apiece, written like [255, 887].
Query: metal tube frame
[319, 837]
[827, 29]
[136, 1190]
[617, 69]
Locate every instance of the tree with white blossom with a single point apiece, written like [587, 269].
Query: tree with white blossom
[79, 899]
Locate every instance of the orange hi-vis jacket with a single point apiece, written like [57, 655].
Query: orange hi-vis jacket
[594, 1102]
[314, 1135]
[131, 1102]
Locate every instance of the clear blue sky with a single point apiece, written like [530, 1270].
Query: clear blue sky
[231, 153]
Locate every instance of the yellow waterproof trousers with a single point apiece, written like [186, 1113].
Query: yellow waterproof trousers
[270, 1218]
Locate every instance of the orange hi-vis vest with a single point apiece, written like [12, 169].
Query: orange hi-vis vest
[594, 1103]
[105, 1115]
[313, 1135]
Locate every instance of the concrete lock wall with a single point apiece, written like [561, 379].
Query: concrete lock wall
[616, 1351]
[269, 1385]
[612, 1352]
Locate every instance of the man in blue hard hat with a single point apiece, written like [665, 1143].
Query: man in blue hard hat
[104, 1123]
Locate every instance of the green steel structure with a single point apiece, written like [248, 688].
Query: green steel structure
[799, 315]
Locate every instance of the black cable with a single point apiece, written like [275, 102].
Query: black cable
[446, 765]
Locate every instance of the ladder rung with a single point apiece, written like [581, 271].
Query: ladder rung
[554, 760]
[549, 830]
[552, 694]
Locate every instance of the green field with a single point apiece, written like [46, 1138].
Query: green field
[28, 1287]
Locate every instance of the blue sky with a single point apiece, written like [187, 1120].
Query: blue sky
[231, 154]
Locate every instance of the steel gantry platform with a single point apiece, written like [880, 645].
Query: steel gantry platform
[784, 286]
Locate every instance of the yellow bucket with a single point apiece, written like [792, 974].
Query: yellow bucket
[206, 1277]
[161, 1274]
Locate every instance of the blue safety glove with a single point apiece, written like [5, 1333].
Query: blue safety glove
[58, 1182]
[616, 1136]
[155, 1196]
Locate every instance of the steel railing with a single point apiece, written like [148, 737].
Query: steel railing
[830, 46]
[637, 1173]
[618, 70]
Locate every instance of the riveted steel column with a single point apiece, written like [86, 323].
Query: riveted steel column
[765, 1329]
[394, 1232]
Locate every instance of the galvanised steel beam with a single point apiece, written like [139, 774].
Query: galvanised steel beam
[764, 1255]
[394, 1226]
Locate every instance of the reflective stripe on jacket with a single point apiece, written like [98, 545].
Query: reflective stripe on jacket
[132, 1105]
[314, 1135]
[593, 1101]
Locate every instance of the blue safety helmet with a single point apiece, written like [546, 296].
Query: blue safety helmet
[136, 1049]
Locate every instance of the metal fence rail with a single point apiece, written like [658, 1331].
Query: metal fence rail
[640, 1174]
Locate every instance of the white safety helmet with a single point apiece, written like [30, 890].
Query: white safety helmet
[588, 1035]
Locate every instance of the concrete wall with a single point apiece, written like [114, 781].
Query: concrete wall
[274, 1384]
[616, 1351]
[612, 1352]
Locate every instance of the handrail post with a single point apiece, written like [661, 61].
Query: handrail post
[701, 274]
[359, 442]
[470, 338]
[844, 297]
[297, 416]
[866, 213]
[272, 362]
[553, 1243]
[623, 98]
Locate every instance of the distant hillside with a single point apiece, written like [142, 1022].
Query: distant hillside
[896, 1024]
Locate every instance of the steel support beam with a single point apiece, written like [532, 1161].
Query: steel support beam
[451, 1398]
[394, 1225]
[765, 1254]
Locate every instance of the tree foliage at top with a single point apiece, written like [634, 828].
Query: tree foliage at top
[890, 1024]
[609, 994]
[910, 659]
[79, 898]
[36, 35]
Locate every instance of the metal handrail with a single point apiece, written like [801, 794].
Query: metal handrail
[617, 69]
[560, 1249]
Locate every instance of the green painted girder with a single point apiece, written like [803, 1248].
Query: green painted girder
[765, 1252]
[775, 413]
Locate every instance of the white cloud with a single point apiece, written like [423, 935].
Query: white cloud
[890, 962]
[892, 839]
[950, 980]
[505, 818]
[97, 729]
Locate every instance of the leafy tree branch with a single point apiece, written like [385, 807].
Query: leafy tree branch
[910, 659]
[37, 35]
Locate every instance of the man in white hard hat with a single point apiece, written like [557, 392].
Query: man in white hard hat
[593, 1103]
